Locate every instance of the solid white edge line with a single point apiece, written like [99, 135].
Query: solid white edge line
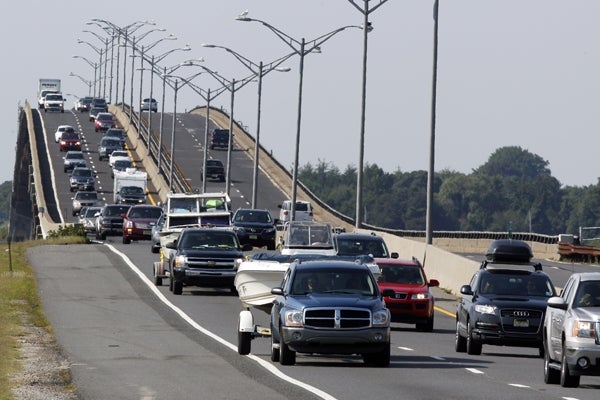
[266, 365]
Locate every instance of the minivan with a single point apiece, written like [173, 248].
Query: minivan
[304, 211]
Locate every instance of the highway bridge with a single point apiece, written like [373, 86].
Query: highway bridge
[42, 200]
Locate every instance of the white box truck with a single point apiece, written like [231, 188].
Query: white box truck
[46, 86]
[130, 186]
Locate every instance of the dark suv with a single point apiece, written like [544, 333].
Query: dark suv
[214, 170]
[330, 307]
[255, 227]
[355, 244]
[219, 138]
[110, 220]
[505, 302]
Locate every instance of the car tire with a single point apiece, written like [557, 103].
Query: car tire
[177, 287]
[566, 379]
[286, 355]
[460, 342]
[271, 246]
[244, 342]
[157, 280]
[473, 347]
[154, 249]
[74, 213]
[380, 359]
[551, 375]
[126, 240]
[427, 326]
[171, 284]
[102, 236]
[274, 348]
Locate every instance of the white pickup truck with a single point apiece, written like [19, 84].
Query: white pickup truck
[54, 102]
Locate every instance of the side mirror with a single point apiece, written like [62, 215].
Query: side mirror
[466, 290]
[394, 254]
[388, 293]
[434, 283]
[277, 291]
[557, 302]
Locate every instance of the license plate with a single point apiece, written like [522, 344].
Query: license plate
[253, 236]
[521, 323]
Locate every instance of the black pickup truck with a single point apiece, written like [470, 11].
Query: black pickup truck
[205, 257]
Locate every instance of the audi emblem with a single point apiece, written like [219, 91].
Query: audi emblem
[521, 314]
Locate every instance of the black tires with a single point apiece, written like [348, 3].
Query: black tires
[286, 355]
[566, 379]
[551, 375]
[274, 348]
[244, 342]
[380, 359]
[426, 326]
[177, 287]
[460, 342]
[126, 240]
[473, 347]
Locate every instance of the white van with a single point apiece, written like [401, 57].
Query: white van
[303, 210]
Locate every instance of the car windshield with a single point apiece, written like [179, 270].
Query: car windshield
[82, 172]
[115, 211]
[516, 284]
[322, 280]
[132, 190]
[69, 136]
[253, 216]
[308, 235]
[87, 196]
[408, 274]
[212, 239]
[122, 165]
[119, 153]
[145, 212]
[111, 143]
[74, 156]
[353, 247]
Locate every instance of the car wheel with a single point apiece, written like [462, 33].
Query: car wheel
[274, 348]
[460, 342]
[566, 379]
[473, 347]
[551, 375]
[154, 249]
[102, 236]
[126, 240]
[171, 284]
[271, 246]
[244, 342]
[427, 326]
[286, 355]
[74, 213]
[177, 287]
[157, 280]
[381, 359]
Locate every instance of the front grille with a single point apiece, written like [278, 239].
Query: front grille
[211, 263]
[534, 320]
[337, 318]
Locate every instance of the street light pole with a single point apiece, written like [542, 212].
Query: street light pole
[93, 65]
[175, 89]
[299, 47]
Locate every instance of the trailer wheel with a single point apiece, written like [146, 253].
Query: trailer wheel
[177, 287]
[244, 342]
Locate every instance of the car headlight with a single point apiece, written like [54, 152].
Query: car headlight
[584, 329]
[421, 296]
[293, 318]
[269, 230]
[485, 309]
[381, 318]
[180, 261]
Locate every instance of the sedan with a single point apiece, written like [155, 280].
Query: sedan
[149, 105]
[60, 130]
[104, 121]
[138, 222]
[69, 141]
[412, 301]
[85, 199]
[73, 159]
[118, 155]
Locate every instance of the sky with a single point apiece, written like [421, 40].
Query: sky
[510, 73]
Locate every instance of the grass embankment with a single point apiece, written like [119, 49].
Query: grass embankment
[19, 304]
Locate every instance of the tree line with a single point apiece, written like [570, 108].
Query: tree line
[513, 191]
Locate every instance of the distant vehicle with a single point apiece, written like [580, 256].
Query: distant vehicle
[572, 330]
[82, 178]
[69, 141]
[94, 111]
[117, 133]
[129, 186]
[83, 104]
[118, 155]
[54, 102]
[99, 102]
[110, 220]
[219, 138]
[354, 244]
[303, 211]
[59, 131]
[46, 86]
[412, 301]
[107, 146]
[73, 159]
[214, 170]
[85, 199]
[120, 165]
[138, 222]
[254, 227]
[104, 121]
[505, 302]
[87, 217]
[149, 105]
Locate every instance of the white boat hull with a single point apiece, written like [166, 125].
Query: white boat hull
[255, 279]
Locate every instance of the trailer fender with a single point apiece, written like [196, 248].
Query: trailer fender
[246, 321]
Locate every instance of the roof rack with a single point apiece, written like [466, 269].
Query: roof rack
[487, 264]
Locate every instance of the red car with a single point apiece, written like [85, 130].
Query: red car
[413, 302]
[138, 222]
[69, 141]
[104, 121]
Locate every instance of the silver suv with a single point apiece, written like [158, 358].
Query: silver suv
[571, 330]
[72, 159]
[85, 199]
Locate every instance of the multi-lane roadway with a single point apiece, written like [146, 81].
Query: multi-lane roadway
[128, 339]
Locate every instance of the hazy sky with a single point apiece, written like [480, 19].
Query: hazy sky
[510, 73]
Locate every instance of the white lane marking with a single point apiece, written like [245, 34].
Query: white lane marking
[570, 398]
[266, 365]
[405, 348]
[474, 371]
[518, 385]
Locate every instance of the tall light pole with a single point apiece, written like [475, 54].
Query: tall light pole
[300, 48]
[258, 70]
[100, 52]
[87, 82]
[365, 10]
[105, 41]
[93, 65]
[431, 171]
